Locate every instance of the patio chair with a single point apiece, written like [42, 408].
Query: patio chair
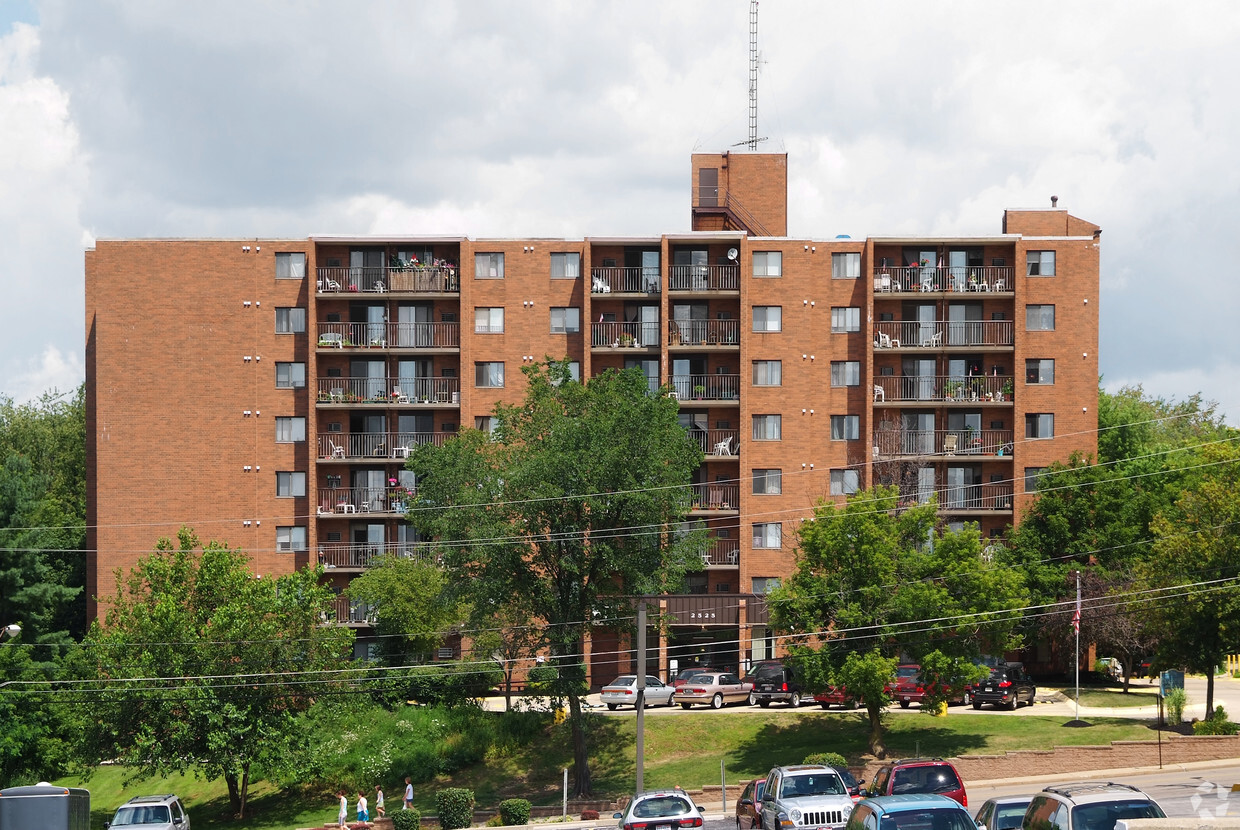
[334, 449]
[724, 447]
[949, 444]
[398, 396]
[879, 394]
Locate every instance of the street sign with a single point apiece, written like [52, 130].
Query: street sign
[1168, 680]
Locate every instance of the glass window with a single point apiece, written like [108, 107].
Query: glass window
[290, 430]
[488, 266]
[768, 264]
[768, 535]
[768, 373]
[846, 266]
[845, 427]
[565, 266]
[845, 373]
[765, 584]
[845, 320]
[574, 370]
[1039, 318]
[290, 266]
[767, 318]
[1040, 263]
[489, 320]
[767, 427]
[291, 538]
[489, 374]
[290, 320]
[844, 482]
[485, 423]
[1040, 425]
[1033, 476]
[1040, 371]
[290, 375]
[289, 485]
[565, 320]
[767, 482]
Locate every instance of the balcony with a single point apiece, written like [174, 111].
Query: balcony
[985, 389]
[350, 612]
[394, 391]
[371, 445]
[923, 279]
[715, 496]
[703, 333]
[707, 387]
[443, 336]
[949, 443]
[981, 498]
[624, 280]
[443, 279]
[635, 335]
[722, 553]
[717, 443]
[341, 555]
[932, 335]
[349, 501]
[693, 278]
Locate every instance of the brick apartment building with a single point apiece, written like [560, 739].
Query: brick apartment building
[265, 392]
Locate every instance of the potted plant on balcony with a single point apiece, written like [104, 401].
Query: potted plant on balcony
[627, 340]
[1005, 393]
[699, 392]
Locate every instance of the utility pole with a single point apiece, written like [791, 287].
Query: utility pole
[1076, 623]
[641, 692]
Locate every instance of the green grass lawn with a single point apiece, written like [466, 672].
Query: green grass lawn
[1116, 697]
[682, 750]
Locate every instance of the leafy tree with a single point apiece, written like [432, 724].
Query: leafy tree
[509, 635]
[200, 666]
[575, 504]
[412, 603]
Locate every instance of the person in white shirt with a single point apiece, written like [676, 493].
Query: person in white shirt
[343, 819]
[408, 794]
[363, 811]
[379, 811]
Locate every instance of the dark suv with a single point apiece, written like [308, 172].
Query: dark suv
[1008, 686]
[918, 775]
[772, 680]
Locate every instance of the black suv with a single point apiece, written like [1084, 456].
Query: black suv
[1008, 686]
[772, 680]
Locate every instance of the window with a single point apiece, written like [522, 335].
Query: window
[290, 266]
[768, 373]
[290, 430]
[489, 375]
[767, 318]
[290, 320]
[1040, 425]
[485, 423]
[844, 482]
[489, 320]
[765, 584]
[290, 375]
[845, 320]
[1039, 263]
[1033, 476]
[1040, 371]
[845, 373]
[565, 266]
[767, 482]
[565, 320]
[768, 264]
[767, 427]
[488, 266]
[291, 538]
[289, 485]
[768, 534]
[845, 427]
[574, 370]
[845, 266]
[1039, 318]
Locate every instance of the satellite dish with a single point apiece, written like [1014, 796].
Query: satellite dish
[733, 253]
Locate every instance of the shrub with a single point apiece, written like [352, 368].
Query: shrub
[495, 821]
[1210, 726]
[456, 808]
[1176, 700]
[515, 811]
[589, 815]
[830, 759]
[406, 819]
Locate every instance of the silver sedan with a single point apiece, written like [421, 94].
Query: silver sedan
[623, 692]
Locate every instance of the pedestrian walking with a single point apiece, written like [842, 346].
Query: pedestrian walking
[408, 794]
[380, 812]
[363, 812]
[343, 818]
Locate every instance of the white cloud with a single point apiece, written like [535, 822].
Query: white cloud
[50, 371]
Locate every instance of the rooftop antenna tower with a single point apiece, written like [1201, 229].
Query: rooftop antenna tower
[752, 141]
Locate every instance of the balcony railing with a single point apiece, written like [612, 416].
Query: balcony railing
[707, 387]
[376, 444]
[410, 279]
[703, 278]
[717, 443]
[350, 500]
[636, 335]
[341, 555]
[912, 334]
[345, 610]
[624, 280]
[703, 333]
[715, 496]
[997, 496]
[949, 443]
[954, 388]
[393, 335]
[913, 279]
[389, 390]
[722, 553]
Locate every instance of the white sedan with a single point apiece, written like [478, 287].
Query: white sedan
[623, 692]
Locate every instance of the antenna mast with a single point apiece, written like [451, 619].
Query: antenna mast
[753, 75]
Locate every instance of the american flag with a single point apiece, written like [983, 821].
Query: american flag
[1076, 617]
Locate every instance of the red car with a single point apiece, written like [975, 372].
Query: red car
[920, 776]
[748, 804]
[908, 688]
[837, 695]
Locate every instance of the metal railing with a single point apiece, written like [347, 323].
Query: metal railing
[706, 387]
[893, 443]
[441, 279]
[704, 278]
[345, 610]
[717, 443]
[376, 444]
[389, 390]
[715, 496]
[625, 280]
[361, 555]
[891, 334]
[722, 553]
[955, 388]
[910, 279]
[997, 496]
[389, 335]
[703, 333]
[636, 335]
[350, 500]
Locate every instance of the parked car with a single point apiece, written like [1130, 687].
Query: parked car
[1003, 813]
[1110, 666]
[910, 812]
[1145, 668]
[749, 803]
[909, 687]
[1088, 805]
[1008, 686]
[623, 692]
[716, 688]
[806, 796]
[838, 696]
[919, 775]
[152, 812]
[851, 782]
[683, 675]
[660, 810]
[774, 680]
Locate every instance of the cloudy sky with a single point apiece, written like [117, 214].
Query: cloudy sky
[139, 118]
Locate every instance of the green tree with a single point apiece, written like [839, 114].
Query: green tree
[413, 604]
[575, 504]
[201, 666]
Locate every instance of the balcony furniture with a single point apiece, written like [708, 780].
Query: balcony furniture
[876, 453]
[336, 395]
[1000, 285]
[724, 447]
[346, 507]
[598, 285]
[398, 396]
[331, 340]
[715, 498]
[933, 341]
[334, 449]
[885, 341]
[879, 394]
[949, 444]
[1006, 449]
[329, 285]
[400, 452]
[882, 283]
[378, 287]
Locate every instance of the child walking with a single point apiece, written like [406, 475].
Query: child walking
[380, 812]
[343, 818]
